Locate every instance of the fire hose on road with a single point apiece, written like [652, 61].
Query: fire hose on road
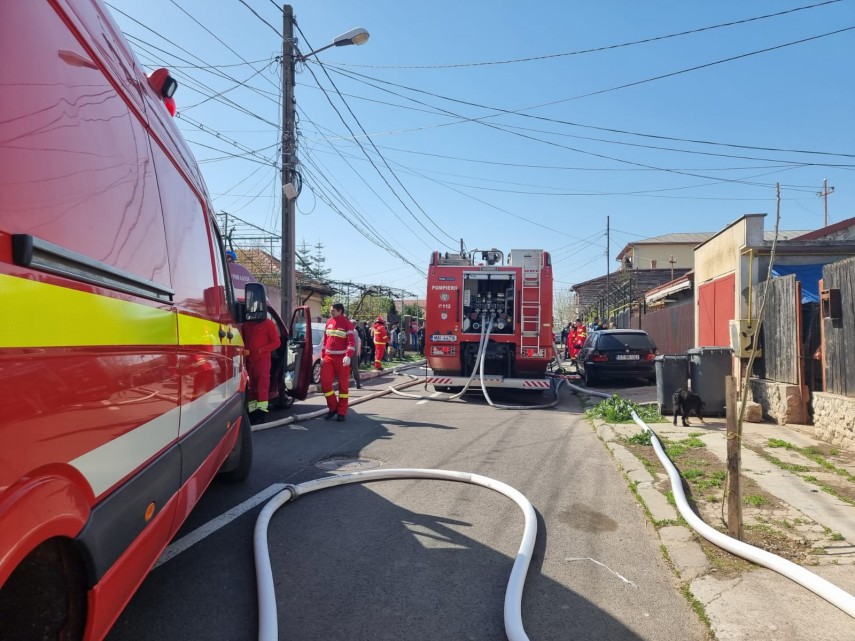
[813, 582]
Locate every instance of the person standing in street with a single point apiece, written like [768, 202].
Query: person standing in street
[414, 335]
[381, 337]
[337, 350]
[260, 338]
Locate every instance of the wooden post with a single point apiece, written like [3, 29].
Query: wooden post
[734, 462]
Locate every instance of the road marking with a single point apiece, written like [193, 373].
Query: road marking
[587, 558]
[188, 541]
[435, 394]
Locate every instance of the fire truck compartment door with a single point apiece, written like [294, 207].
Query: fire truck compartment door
[298, 354]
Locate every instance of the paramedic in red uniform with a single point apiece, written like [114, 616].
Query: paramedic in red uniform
[381, 337]
[260, 338]
[338, 348]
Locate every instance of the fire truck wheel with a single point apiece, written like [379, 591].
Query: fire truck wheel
[244, 464]
[316, 373]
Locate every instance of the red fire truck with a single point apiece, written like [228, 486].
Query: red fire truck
[513, 301]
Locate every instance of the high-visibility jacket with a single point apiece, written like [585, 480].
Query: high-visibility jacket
[339, 337]
[580, 335]
[381, 336]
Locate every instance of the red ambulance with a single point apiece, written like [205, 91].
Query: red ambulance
[121, 365]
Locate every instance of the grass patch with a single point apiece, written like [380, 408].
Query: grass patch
[836, 536]
[754, 499]
[814, 455]
[619, 410]
[714, 480]
[639, 438]
[675, 449]
[697, 606]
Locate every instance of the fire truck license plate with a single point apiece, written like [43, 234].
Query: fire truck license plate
[626, 357]
[440, 338]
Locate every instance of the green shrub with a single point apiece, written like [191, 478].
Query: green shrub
[619, 410]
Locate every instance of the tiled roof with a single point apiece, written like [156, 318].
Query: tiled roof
[671, 239]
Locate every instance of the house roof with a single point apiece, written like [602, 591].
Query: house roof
[267, 270]
[825, 231]
[686, 238]
[784, 234]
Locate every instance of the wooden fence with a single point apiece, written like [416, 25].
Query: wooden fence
[838, 326]
[781, 329]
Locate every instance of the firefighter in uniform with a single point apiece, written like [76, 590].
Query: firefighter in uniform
[381, 337]
[579, 337]
[261, 338]
[337, 350]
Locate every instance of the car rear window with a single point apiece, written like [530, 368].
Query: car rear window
[317, 336]
[624, 341]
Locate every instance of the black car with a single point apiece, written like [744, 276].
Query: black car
[614, 353]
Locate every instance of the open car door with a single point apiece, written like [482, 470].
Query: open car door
[298, 355]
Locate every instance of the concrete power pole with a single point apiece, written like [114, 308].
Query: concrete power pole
[826, 191]
[608, 265]
[289, 165]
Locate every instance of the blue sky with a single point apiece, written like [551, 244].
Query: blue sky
[448, 161]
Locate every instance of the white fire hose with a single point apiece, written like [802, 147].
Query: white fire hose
[813, 582]
[268, 626]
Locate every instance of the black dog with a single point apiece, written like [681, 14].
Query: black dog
[686, 402]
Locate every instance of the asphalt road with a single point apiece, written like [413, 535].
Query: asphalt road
[423, 559]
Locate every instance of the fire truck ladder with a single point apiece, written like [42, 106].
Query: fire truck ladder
[530, 291]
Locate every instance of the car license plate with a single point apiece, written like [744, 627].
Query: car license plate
[626, 357]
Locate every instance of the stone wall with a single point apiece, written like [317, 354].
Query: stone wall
[834, 419]
[781, 402]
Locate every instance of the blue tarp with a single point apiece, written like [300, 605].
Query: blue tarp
[808, 275]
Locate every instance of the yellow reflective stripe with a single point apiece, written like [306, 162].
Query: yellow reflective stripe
[200, 331]
[376, 343]
[344, 395]
[330, 393]
[338, 333]
[59, 316]
[69, 317]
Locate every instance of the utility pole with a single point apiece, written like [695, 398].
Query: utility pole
[826, 191]
[672, 261]
[608, 266]
[289, 164]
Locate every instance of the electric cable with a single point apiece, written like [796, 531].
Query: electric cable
[353, 115]
[598, 49]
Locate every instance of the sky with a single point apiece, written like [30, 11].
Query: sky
[513, 125]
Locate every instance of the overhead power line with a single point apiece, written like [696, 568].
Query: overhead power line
[416, 218]
[522, 111]
[598, 49]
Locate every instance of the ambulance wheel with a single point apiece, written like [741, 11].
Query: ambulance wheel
[316, 373]
[244, 462]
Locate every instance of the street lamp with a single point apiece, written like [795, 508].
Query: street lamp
[290, 54]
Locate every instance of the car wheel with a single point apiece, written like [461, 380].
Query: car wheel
[589, 377]
[244, 463]
[316, 373]
[284, 400]
[651, 380]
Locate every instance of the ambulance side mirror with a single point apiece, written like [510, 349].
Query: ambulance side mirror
[255, 302]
